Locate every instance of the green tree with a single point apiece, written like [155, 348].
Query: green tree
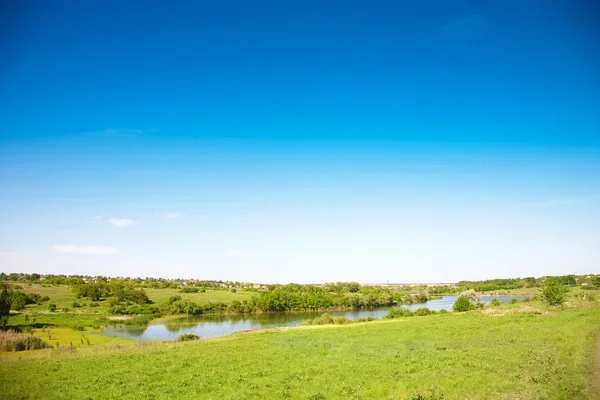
[5, 304]
[18, 300]
[554, 292]
[462, 304]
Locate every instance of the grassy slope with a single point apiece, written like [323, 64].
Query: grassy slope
[463, 356]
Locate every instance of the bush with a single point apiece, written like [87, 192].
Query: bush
[19, 300]
[554, 293]
[78, 328]
[51, 307]
[13, 341]
[75, 305]
[189, 290]
[92, 304]
[462, 304]
[421, 312]
[495, 302]
[399, 313]
[186, 337]
[341, 320]
[442, 311]
[322, 319]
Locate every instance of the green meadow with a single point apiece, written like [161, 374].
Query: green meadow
[523, 351]
[86, 315]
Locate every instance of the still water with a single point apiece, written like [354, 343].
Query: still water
[221, 325]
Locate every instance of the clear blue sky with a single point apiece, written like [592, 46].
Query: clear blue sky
[300, 141]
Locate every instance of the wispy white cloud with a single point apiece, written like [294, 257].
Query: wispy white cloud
[97, 217]
[73, 249]
[121, 222]
[173, 214]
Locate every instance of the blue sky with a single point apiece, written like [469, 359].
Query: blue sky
[300, 141]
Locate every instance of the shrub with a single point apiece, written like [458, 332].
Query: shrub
[341, 320]
[51, 307]
[443, 311]
[322, 319]
[186, 337]
[189, 290]
[75, 305]
[399, 313]
[421, 312]
[19, 300]
[13, 341]
[554, 293]
[78, 328]
[462, 304]
[92, 304]
[326, 319]
[495, 302]
[514, 301]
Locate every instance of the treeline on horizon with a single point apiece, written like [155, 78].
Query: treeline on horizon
[164, 283]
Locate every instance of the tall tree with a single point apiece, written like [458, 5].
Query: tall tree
[5, 303]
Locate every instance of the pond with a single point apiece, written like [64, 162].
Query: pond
[208, 326]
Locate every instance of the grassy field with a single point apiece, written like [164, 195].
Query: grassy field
[528, 351]
[93, 316]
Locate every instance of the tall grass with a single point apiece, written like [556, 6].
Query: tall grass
[13, 341]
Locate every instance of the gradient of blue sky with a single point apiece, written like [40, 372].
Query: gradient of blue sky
[300, 141]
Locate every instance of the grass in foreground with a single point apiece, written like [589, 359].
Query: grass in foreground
[461, 356]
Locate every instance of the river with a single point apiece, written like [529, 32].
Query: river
[208, 326]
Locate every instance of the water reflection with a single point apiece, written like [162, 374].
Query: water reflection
[221, 325]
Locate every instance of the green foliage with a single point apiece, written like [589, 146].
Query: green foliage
[186, 337]
[5, 305]
[399, 313]
[421, 312]
[327, 319]
[495, 302]
[462, 304]
[51, 307]
[189, 290]
[554, 292]
[19, 300]
[75, 305]
[141, 319]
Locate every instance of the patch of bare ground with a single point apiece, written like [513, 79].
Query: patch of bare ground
[119, 318]
[523, 309]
